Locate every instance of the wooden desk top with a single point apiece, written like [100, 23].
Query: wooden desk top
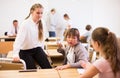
[69, 73]
[42, 73]
[7, 37]
[53, 38]
[55, 43]
[53, 53]
[2, 38]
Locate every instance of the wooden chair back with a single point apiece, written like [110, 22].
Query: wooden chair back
[5, 47]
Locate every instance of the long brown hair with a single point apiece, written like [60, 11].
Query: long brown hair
[110, 47]
[40, 26]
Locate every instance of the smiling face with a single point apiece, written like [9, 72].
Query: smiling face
[37, 14]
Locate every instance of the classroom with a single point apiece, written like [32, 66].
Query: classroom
[58, 51]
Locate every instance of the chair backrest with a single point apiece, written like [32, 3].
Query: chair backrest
[53, 39]
[8, 64]
[5, 33]
[5, 47]
[50, 45]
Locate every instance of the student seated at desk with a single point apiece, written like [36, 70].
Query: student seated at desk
[108, 66]
[14, 29]
[85, 38]
[75, 53]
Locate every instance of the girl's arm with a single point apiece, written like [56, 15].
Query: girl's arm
[90, 72]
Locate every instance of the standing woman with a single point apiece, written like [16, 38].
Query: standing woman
[28, 43]
[108, 66]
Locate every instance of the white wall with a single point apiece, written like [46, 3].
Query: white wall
[82, 12]
[14, 9]
[107, 13]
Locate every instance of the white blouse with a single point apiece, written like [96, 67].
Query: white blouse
[11, 32]
[27, 37]
[70, 55]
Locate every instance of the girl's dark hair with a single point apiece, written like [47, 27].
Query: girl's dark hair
[66, 15]
[52, 10]
[73, 32]
[88, 27]
[15, 21]
[108, 41]
[40, 26]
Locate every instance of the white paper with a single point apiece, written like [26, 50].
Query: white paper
[80, 70]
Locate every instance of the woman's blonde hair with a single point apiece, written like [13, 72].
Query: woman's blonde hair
[40, 26]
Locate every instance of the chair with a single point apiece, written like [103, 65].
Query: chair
[5, 33]
[5, 47]
[83, 40]
[54, 45]
[8, 64]
[51, 45]
[53, 39]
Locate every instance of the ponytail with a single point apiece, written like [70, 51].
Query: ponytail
[108, 41]
[112, 53]
[28, 16]
[40, 30]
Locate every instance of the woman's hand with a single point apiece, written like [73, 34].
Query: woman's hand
[16, 59]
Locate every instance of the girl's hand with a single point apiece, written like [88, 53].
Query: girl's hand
[59, 45]
[16, 59]
[62, 67]
[85, 64]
